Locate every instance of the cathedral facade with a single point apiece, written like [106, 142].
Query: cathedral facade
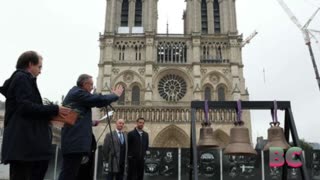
[163, 73]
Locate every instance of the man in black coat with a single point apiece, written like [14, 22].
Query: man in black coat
[27, 134]
[138, 144]
[77, 141]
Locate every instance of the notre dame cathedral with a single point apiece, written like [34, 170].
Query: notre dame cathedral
[163, 73]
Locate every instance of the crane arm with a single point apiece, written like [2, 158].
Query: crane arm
[247, 40]
[313, 30]
[290, 14]
[310, 19]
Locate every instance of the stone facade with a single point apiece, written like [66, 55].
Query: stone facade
[163, 73]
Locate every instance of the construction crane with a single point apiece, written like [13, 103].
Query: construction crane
[247, 40]
[306, 34]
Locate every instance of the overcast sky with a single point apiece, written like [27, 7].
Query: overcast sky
[277, 62]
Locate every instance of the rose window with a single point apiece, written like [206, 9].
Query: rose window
[172, 87]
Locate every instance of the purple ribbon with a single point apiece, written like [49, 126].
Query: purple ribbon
[274, 112]
[239, 112]
[206, 111]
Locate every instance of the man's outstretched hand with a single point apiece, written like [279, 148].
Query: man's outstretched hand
[118, 90]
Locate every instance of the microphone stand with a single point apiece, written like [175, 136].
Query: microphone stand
[113, 151]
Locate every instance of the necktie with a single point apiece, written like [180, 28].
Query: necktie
[121, 137]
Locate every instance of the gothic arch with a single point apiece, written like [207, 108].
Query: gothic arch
[171, 136]
[226, 91]
[207, 85]
[222, 85]
[204, 89]
[135, 83]
[133, 95]
[120, 76]
[221, 78]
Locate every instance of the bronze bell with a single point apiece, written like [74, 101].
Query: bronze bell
[207, 139]
[276, 138]
[239, 142]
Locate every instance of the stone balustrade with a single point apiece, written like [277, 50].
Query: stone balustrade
[172, 114]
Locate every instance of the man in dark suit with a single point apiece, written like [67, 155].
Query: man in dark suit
[27, 133]
[138, 144]
[77, 142]
[115, 149]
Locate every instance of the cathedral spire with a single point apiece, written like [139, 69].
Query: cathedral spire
[167, 27]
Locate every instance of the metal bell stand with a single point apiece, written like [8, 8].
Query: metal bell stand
[289, 126]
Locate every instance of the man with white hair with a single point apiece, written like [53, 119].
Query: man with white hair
[77, 142]
[115, 149]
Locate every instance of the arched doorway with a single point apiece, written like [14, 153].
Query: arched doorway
[172, 136]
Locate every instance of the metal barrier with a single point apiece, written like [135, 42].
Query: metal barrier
[174, 164]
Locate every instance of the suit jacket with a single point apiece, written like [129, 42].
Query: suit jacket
[27, 135]
[137, 148]
[112, 156]
[78, 138]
